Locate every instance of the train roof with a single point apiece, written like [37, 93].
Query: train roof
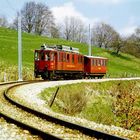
[95, 57]
[59, 48]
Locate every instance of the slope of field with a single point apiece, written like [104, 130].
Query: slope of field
[123, 65]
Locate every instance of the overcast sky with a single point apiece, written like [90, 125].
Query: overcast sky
[123, 15]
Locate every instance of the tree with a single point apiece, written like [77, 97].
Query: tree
[117, 43]
[54, 31]
[67, 29]
[28, 16]
[103, 35]
[36, 18]
[74, 29]
[3, 22]
[132, 45]
[43, 19]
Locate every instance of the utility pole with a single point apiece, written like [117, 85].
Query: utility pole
[19, 48]
[89, 48]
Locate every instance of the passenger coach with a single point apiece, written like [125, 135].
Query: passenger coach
[95, 66]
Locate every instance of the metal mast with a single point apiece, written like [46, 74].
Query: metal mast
[19, 49]
[89, 49]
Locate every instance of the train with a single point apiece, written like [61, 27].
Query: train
[66, 62]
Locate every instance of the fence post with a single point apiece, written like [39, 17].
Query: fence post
[4, 77]
[53, 98]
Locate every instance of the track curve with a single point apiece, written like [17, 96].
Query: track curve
[32, 129]
[84, 130]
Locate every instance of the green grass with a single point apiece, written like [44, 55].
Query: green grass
[123, 65]
[92, 101]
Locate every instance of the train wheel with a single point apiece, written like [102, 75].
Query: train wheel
[44, 75]
[50, 75]
[100, 77]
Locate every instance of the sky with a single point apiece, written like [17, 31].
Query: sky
[122, 15]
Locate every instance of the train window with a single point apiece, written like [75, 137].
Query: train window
[79, 59]
[36, 56]
[58, 56]
[92, 62]
[42, 56]
[73, 58]
[96, 62]
[52, 56]
[105, 62]
[82, 59]
[68, 57]
[61, 57]
[47, 56]
[64, 57]
[101, 62]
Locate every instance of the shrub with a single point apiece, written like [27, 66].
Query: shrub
[72, 101]
[124, 106]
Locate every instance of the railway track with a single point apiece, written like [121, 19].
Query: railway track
[38, 126]
[71, 128]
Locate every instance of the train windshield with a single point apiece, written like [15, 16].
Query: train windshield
[36, 55]
[47, 56]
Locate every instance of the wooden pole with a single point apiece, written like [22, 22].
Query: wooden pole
[53, 98]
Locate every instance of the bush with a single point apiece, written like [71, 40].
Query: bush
[72, 101]
[124, 105]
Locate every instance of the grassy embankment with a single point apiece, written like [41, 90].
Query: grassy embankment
[123, 65]
[112, 103]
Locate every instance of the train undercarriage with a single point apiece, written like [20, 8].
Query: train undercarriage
[67, 75]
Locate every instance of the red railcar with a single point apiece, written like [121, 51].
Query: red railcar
[58, 61]
[61, 61]
[95, 66]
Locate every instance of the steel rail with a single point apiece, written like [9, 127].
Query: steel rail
[33, 130]
[84, 130]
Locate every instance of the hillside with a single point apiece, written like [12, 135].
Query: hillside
[118, 66]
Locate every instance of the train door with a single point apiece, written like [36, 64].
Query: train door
[55, 60]
[41, 63]
[52, 60]
[59, 61]
[86, 64]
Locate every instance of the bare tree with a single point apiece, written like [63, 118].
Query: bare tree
[28, 16]
[67, 28]
[118, 43]
[55, 32]
[74, 29]
[103, 35]
[43, 19]
[137, 33]
[36, 18]
[3, 22]
[132, 45]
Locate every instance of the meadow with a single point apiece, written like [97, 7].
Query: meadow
[122, 65]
